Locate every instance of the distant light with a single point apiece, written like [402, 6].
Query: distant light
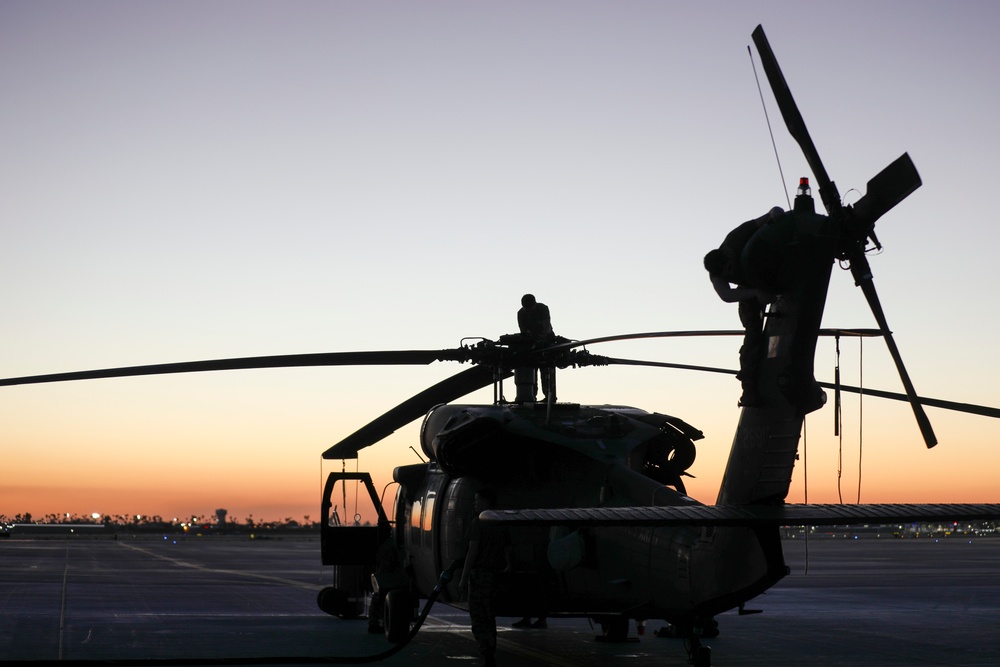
[95, 515]
[138, 517]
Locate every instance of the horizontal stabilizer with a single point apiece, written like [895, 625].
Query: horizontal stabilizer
[744, 515]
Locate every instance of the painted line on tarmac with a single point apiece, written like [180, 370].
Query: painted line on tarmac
[437, 624]
[240, 573]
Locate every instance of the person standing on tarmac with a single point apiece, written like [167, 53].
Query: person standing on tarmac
[489, 558]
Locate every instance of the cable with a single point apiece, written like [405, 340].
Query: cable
[839, 432]
[805, 461]
[805, 477]
[840, 466]
[357, 488]
[768, 119]
[861, 414]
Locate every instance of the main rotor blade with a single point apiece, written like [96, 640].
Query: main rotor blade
[391, 357]
[445, 391]
[954, 406]
[611, 361]
[793, 120]
[863, 277]
[857, 332]
[636, 336]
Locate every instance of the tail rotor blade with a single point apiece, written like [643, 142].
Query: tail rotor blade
[886, 189]
[793, 120]
[863, 277]
[967, 408]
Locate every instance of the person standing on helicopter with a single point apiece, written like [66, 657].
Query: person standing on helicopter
[732, 281]
[533, 318]
[535, 325]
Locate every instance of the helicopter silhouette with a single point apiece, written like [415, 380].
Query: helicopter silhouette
[593, 496]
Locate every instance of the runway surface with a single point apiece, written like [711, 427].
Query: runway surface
[862, 602]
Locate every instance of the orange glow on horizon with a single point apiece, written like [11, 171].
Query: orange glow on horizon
[265, 461]
[904, 472]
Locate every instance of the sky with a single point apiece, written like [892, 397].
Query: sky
[188, 180]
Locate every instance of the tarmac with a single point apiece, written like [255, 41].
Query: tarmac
[235, 601]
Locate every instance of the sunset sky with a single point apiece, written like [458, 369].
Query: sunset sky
[189, 180]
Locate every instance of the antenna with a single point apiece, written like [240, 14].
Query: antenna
[760, 92]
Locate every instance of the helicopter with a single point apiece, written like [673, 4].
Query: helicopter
[593, 496]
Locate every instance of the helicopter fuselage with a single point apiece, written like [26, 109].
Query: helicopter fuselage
[570, 455]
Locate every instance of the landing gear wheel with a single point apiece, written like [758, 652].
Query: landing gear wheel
[350, 582]
[332, 601]
[698, 655]
[396, 615]
[615, 629]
